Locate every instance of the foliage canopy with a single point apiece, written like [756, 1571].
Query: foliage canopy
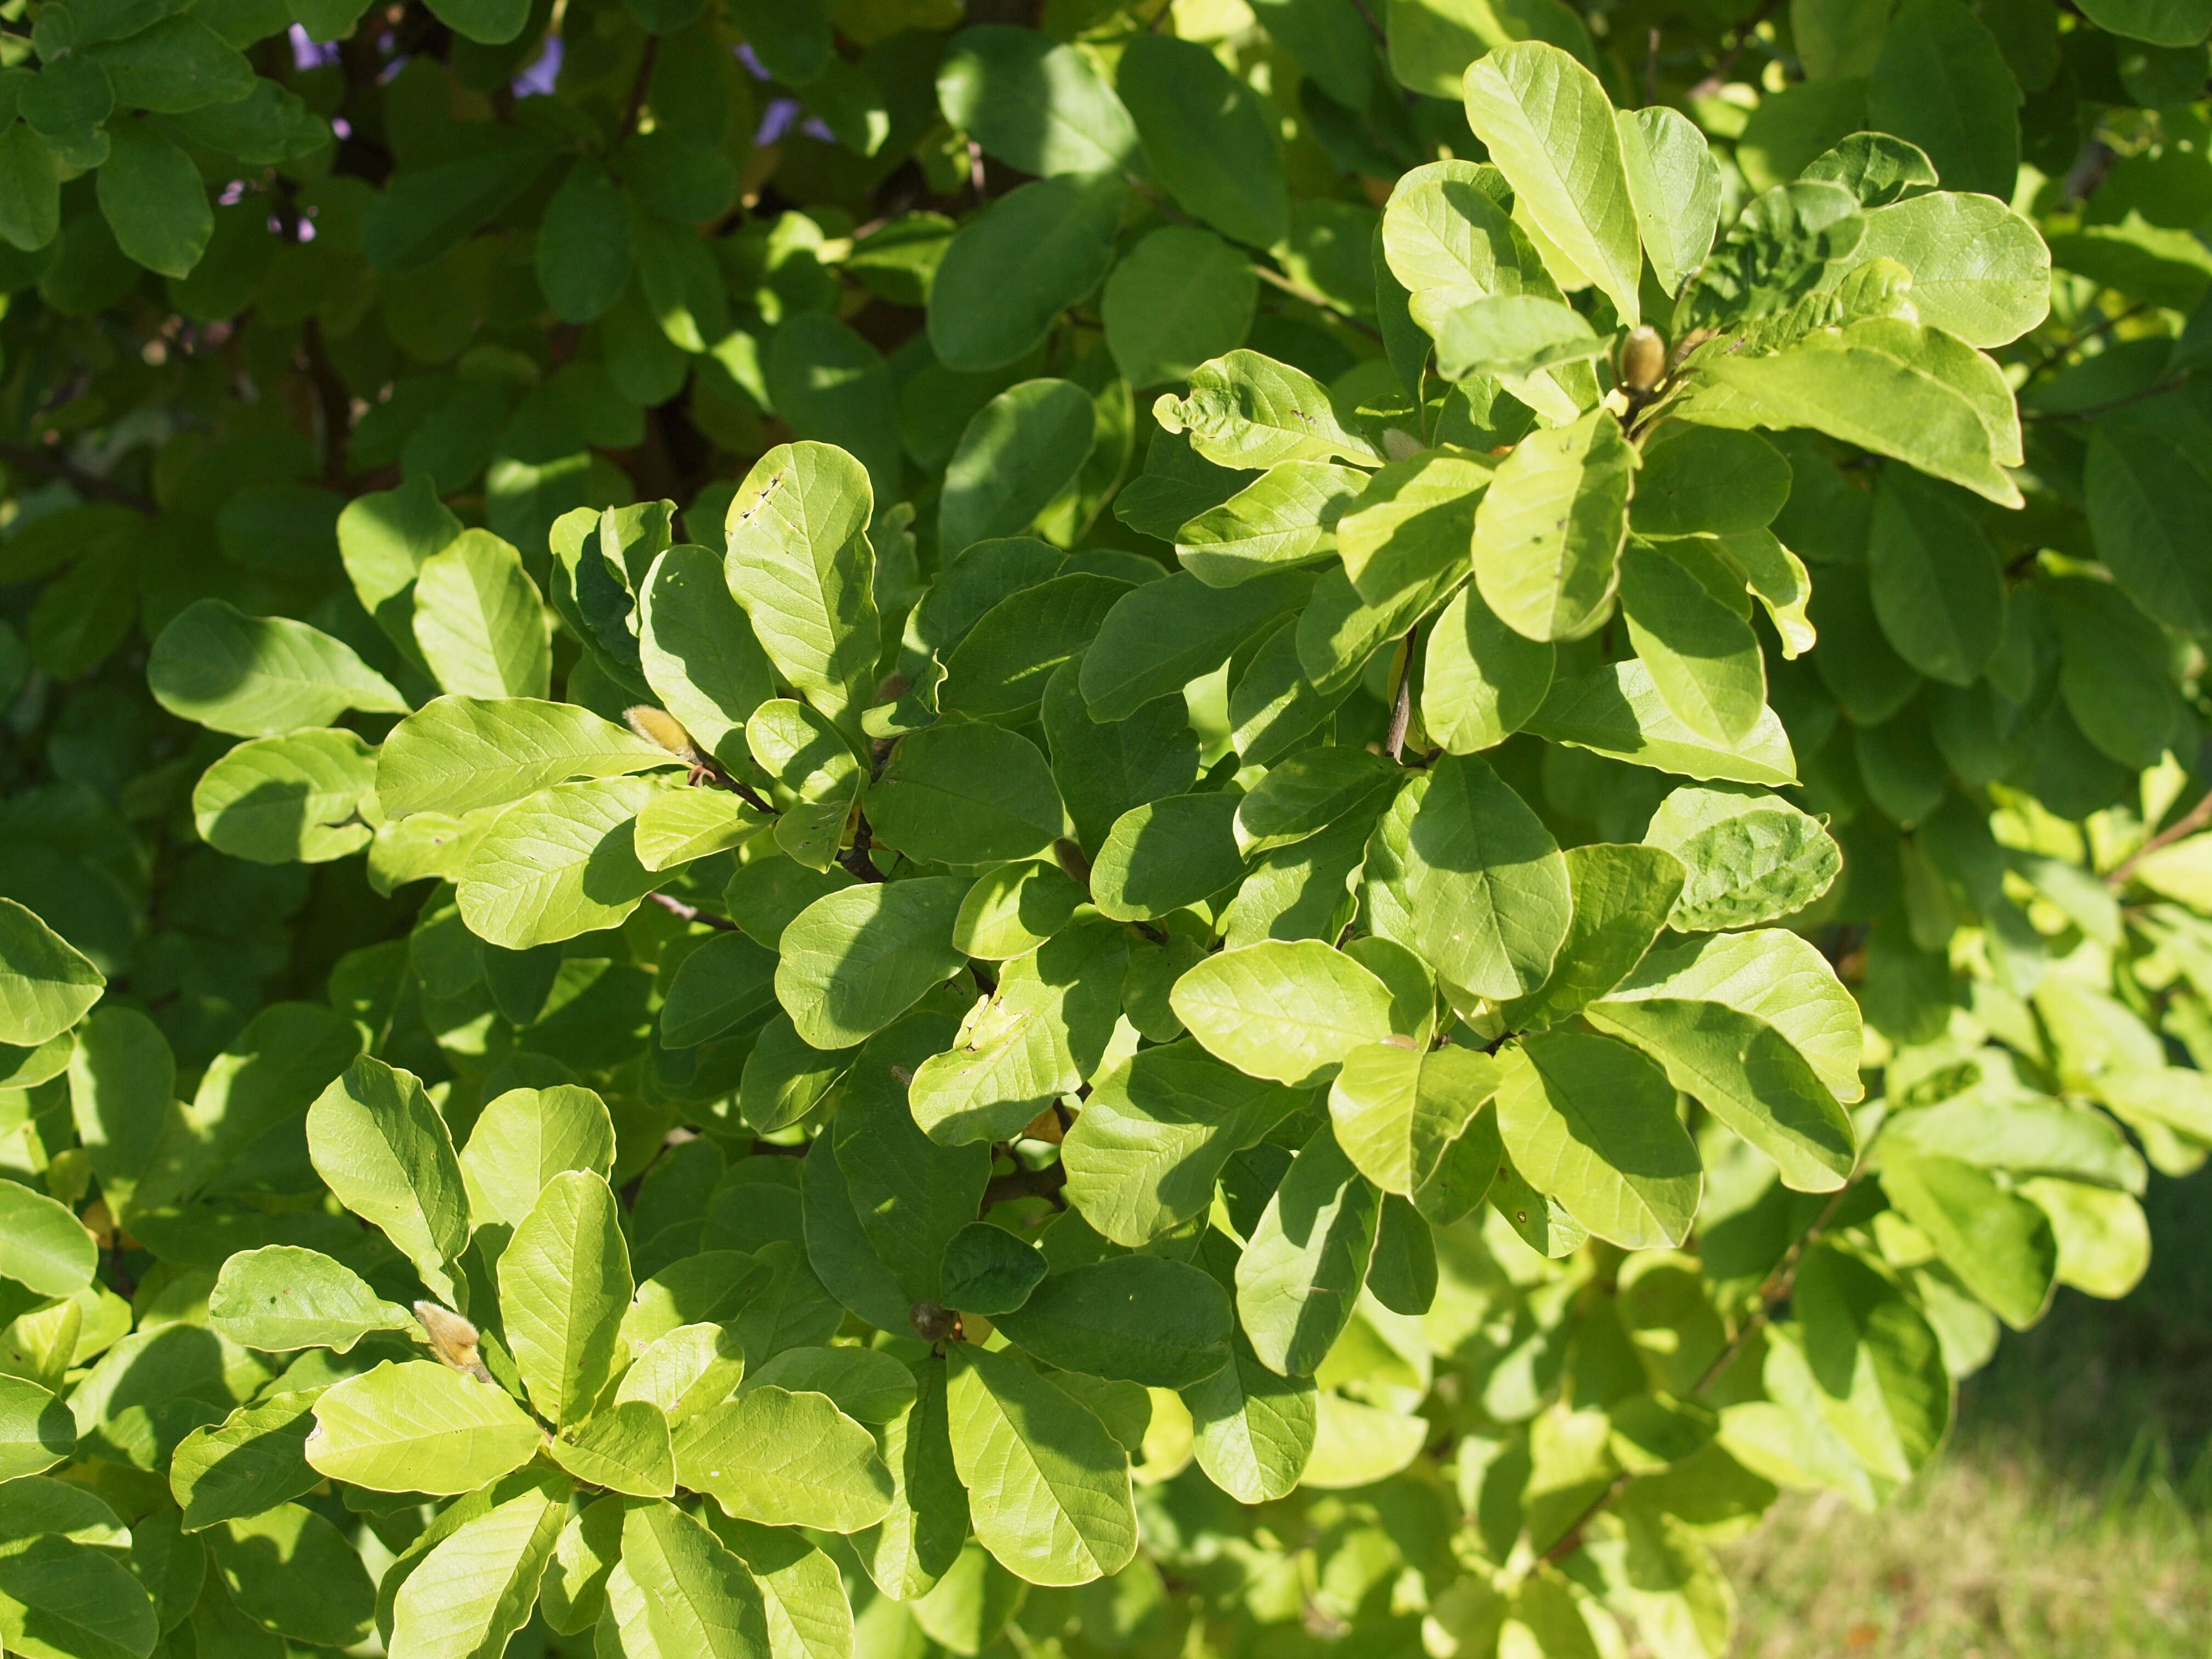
[1253, 828]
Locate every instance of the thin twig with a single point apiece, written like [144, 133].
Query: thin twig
[1298, 291]
[635, 107]
[2187, 824]
[683, 912]
[1744, 32]
[1028, 1183]
[336, 404]
[54, 464]
[1401, 710]
[855, 858]
[2157, 389]
[1772, 1295]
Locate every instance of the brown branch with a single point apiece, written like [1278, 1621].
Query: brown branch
[330, 394]
[2187, 824]
[1298, 291]
[636, 107]
[1717, 77]
[855, 858]
[49, 460]
[2157, 389]
[1028, 1183]
[1401, 710]
[1772, 1295]
[683, 912]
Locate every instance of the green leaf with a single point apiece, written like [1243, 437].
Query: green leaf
[808, 1617]
[1144, 1154]
[1253, 1430]
[386, 1153]
[867, 1384]
[1409, 530]
[255, 1459]
[30, 192]
[814, 763]
[1038, 1035]
[1105, 767]
[1700, 650]
[281, 1298]
[2001, 1244]
[49, 984]
[43, 1246]
[291, 1572]
[1283, 517]
[698, 652]
[1207, 137]
[1166, 855]
[154, 199]
[1397, 1111]
[721, 983]
[1513, 335]
[988, 1271]
[1163, 1324]
[525, 1137]
[2160, 22]
[36, 1430]
[677, 1591]
[1941, 81]
[912, 1193]
[855, 960]
[677, 826]
[457, 754]
[1159, 637]
[783, 1460]
[1909, 392]
[1591, 1123]
[1481, 680]
[1548, 532]
[626, 1449]
[1007, 660]
[1549, 127]
[1034, 102]
[1979, 271]
[1872, 1370]
[1311, 790]
[928, 1522]
[1047, 1485]
[1247, 411]
[1018, 452]
[966, 792]
[479, 620]
[2148, 494]
[1180, 296]
[1674, 185]
[1488, 887]
[1748, 1076]
[1015, 266]
[1300, 1272]
[287, 800]
[1286, 1010]
[583, 244]
[1012, 910]
[60, 1599]
[1618, 711]
[1774, 975]
[1704, 480]
[564, 1279]
[557, 864]
[1934, 579]
[800, 564]
[259, 676]
[419, 1427]
[1752, 857]
[475, 1586]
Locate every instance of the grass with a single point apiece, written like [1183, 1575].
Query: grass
[2069, 1517]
